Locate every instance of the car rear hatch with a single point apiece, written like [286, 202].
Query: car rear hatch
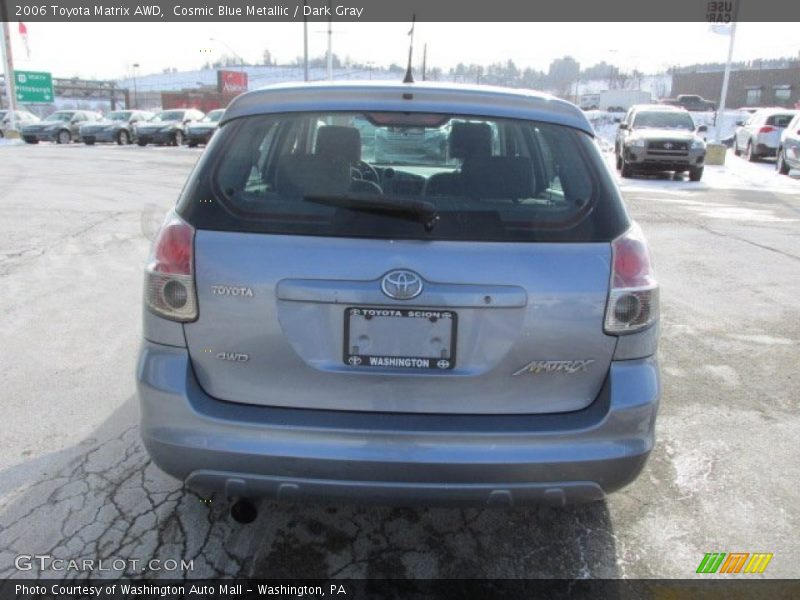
[495, 307]
[304, 322]
[770, 133]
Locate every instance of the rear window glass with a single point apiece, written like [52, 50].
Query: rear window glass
[779, 120]
[169, 115]
[386, 174]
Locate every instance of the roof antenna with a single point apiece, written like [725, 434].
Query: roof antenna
[409, 78]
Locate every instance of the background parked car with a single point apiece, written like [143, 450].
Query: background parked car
[690, 102]
[21, 118]
[655, 137]
[760, 135]
[63, 126]
[201, 132]
[116, 127]
[167, 127]
[789, 148]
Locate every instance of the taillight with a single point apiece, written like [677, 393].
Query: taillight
[766, 129]
[633, 296]
[169, 276]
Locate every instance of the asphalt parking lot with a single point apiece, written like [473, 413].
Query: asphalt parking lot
[76, 483]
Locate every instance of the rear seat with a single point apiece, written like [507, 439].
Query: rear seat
[482, 175]
[508, 177]
[467, 140]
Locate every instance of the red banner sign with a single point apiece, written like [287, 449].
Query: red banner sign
[232, 82]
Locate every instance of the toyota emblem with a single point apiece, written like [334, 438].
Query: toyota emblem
[401, 284]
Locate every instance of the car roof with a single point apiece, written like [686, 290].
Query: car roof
[433, 97]
[775, 111]
[659, 108]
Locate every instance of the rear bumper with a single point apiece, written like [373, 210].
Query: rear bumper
[156, 138]
[766, 150]
[198, 138]
[100, 136]
[251, 451]
[42, 136]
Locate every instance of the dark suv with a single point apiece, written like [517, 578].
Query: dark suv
[657, 138]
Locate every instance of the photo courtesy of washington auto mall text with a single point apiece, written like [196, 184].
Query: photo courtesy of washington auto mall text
[178, 590]
[399, 299]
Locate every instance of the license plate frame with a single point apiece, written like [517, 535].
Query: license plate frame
[365, 360]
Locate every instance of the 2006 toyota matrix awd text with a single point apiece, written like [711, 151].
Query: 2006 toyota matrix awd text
[475, 323]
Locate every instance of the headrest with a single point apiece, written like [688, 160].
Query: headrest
[498, 177]
[309, 174]
[338, 141]
[470, 139]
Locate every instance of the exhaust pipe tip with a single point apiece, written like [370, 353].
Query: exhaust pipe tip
[243, 511]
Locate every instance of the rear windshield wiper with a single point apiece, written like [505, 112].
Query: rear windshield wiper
[420, 211]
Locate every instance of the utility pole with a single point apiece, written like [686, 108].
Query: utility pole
[424, 60]
[409, 78]
[305, 43]
[726, 77]
[135, 91]
[330, 46]
[720, 114]
[235, 53]
[8, 66]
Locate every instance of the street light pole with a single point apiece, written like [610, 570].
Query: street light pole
[305, 43]
[135, 91]
[8, 66]
[330, 48]
[235, 53]
[725, 78]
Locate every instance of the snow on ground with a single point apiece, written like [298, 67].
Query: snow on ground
[736, 173]
[7, 142]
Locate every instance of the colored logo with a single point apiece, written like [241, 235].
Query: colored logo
[734, 562]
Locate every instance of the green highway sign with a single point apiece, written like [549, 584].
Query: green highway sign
[34, 87]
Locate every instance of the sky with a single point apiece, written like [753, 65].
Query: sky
[107, 50]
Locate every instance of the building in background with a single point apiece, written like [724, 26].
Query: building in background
[615, 100]
[749, 87]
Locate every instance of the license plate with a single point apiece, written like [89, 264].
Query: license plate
[400, 338]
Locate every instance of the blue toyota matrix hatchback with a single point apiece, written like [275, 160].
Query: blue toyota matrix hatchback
[466, 315]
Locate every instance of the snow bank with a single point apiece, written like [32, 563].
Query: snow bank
[7, 142]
